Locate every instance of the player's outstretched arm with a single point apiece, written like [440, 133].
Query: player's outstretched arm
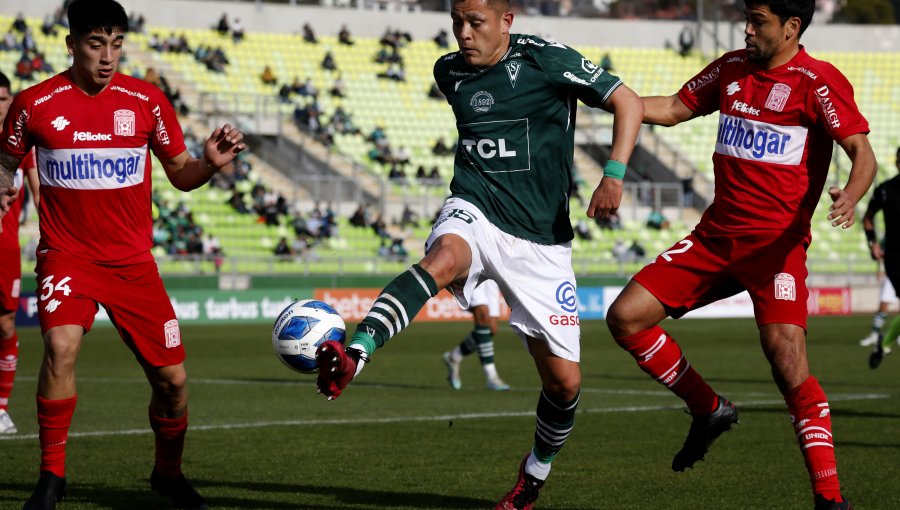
[628, 112]
[222, 146]
[862, 172]
[665, 110]
[8, 192]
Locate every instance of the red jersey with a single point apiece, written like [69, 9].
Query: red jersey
[93, 158]
[774, 143]
[9, 238]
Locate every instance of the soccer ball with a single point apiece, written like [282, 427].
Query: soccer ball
[301, 328]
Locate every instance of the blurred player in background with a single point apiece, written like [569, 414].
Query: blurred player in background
[886, 199]
[485, 308]
[887, 299]
[11, 271]
[779, 112]
[515, 99]
[94, 129]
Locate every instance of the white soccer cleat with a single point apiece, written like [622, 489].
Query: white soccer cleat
[496, 384]
[452, 371]
[869, 340]
[6, 424]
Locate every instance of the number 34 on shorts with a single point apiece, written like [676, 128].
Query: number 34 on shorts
[51, 292]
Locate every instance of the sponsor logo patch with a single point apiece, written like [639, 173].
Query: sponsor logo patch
[732, 88]
[482, 101]
[704, 80]
[92, 168]
[15, 138]
[588, 66]
[60, 123]
[785, 287]
[760, 141]
[173, 334]
[571, 77]
[565, 296]
[828, 110]
[161, 134]
[744, 108]
[87, 136]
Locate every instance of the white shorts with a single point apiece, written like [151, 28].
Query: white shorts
[888, 294]
[536, 280]
[487, 294]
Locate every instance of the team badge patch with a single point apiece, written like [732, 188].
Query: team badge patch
[173, 334]
[512, 69]
[778, 97]
[482, 101]
[785, 288]
[124, 122]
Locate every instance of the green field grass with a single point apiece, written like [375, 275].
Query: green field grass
[400, 438]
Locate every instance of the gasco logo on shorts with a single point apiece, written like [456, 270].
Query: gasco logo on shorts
[565, 296]
[173, 334]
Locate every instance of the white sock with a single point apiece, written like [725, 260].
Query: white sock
[490, 371]
[456, 355]
[536, 468]
[362, 363]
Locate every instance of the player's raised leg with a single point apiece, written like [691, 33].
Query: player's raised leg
[785, 348]
[555, 420]
[56, 398]
[633, 321]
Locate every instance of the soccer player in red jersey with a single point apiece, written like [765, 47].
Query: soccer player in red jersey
[779, 111]
[93, 130]
[11, 272]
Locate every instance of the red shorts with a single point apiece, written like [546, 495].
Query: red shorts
[10, 280]
[70, 290]
[701, 269]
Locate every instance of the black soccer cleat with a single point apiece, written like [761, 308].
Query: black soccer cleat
[523, 494]
[705, 429]
[878, 355]
[178, 489]
[50, 489]
[830, 504]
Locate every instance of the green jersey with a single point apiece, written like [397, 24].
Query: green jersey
[516, 123]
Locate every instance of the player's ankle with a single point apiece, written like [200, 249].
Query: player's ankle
[364, 342]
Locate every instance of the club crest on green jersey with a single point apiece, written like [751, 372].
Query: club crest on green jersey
[482, 101]
[512, 69]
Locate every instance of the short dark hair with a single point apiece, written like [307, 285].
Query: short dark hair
[4, 82]
[787, 9]
[85, 16]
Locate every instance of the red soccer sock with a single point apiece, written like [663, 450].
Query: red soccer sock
[54, 418]
[657, 354]
[9, 355]
[170, 434]
[811, 417]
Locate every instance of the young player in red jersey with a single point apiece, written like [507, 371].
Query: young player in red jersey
[11, 273]
[93, 130]
[779, 110]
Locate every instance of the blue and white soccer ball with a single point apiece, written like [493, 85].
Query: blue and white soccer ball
[301, 328]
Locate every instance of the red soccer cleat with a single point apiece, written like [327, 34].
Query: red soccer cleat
[523, 494]
[336, 368]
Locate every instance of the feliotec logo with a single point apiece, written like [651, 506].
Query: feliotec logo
[60, 123]
[87, 136]
[745, 108]
[566, 297]
[92, 168]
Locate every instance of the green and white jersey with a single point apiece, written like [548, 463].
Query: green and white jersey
[516, 123]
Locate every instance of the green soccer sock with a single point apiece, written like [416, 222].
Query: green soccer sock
[892, 333]
[468, 345]
[393, 310]
[555, 421]
[485, 343]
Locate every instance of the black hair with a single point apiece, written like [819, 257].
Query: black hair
[787, 9]
[85, 16]
[4, 82]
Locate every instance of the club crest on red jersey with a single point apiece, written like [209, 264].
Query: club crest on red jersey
[785, 288]
[124, 122]
[778, 97]
[173, 334]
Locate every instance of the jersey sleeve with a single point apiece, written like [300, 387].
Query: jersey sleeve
[442, 76]
[570, 70]
[167, 140]
[701, 93]
[28, 161]
[835, 107]
[15, 139]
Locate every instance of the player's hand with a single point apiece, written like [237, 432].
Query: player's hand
[223, 145]
[7, 197]
[876, 252]
[843, 209]
[606, 198]
[336, 369]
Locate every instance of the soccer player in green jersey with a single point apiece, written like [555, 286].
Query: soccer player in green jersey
[507, 219]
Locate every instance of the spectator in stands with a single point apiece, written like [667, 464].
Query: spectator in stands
[435, 177]
[308, 34]
[284, 93]
[359, 217]
[656, 220]
[48, 27]
[28, 43]
[135, 23]
[152, 77]
[583, 231]
[394, 71]
[636, 251]
[154, 42]
[441, 148]
[40, 64]
[19, 24]
[397, 251]
[24, 70]
[339, 88]
[606, 62]
[222, 27]
[408, 217]
[328, 62]
[212, 250]
[308, 89]
[435, 92]
[237, 30]
[268, 77]
[620, 251]
[421, 176]
[344, 36]
[687, 190]
[9, 43]
[685, 41]
[401, 157]
[397, 175]
[283, 249]
[612, 222]
[237, 202]
[441, 39]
